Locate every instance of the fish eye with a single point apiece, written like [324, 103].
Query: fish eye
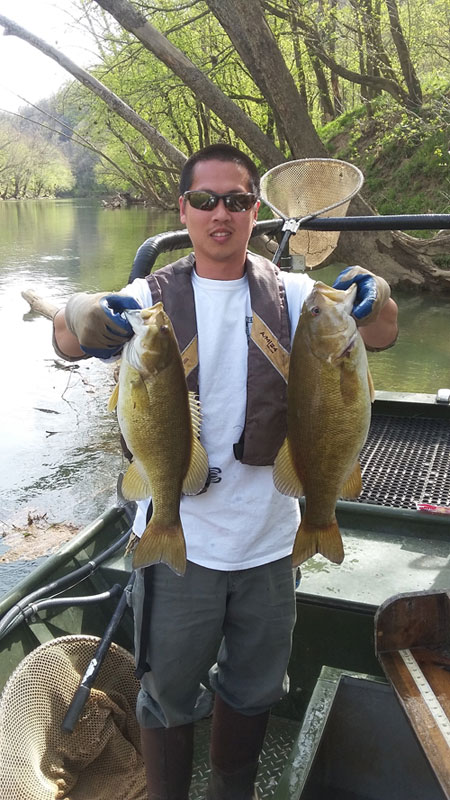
[164, 329]
[315, 311]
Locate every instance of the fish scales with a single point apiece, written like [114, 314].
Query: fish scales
[329, 409]
[160, 422]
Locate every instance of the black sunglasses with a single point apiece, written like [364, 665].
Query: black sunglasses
[207, 201]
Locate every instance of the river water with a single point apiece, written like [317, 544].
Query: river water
[59, 445]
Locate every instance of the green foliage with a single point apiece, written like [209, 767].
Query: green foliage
[31, 165]
[404, 157]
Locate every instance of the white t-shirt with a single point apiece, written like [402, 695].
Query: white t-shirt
[241, 521]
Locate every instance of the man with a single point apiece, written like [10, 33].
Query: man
[233, 611]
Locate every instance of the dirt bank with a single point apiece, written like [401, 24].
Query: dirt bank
[32, 535]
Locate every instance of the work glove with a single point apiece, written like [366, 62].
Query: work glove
[372, 293]
[98, 323]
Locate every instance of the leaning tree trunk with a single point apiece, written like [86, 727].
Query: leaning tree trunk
[385, 252]
[156, 139]
[398, 257]
[246, 25]
[403, 260]
[203, 88]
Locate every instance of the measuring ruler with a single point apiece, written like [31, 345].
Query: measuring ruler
[427, 694]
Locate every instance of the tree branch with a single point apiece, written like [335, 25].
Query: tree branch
[156, 139]
[202, 87]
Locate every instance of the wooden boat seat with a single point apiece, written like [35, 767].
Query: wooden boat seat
[412, 637]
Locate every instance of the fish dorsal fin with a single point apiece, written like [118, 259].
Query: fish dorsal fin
[371, 386]
[285, 476]
[113, 400]
[196, 414]
[353, 485]
[134, 485]
[198, 469]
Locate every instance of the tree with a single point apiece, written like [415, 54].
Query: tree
[389, 253]
[203, 88]
[376, 72]
[244, 22]
[30, 164]
[117, 105]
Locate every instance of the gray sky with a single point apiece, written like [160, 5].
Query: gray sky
[24, 69]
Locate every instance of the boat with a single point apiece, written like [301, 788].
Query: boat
[342, 732]
[339, 690]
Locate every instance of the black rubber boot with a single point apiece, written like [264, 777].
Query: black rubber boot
[236, 743]
[167, 754]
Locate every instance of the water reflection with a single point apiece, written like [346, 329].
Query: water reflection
[59, 443]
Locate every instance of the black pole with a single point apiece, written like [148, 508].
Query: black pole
[81, 695]
[149, 251]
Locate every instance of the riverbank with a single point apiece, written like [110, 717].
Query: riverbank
[30, 535]
[404, 156]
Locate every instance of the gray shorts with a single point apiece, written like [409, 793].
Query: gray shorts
[235, 626]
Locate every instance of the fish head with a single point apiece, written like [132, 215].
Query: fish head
[330, 329]
[153, 347]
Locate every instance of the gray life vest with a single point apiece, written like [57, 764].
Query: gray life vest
[268, 350]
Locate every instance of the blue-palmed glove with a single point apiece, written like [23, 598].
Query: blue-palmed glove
[372, 293]
[98, 322]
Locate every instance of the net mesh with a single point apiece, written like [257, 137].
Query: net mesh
[101, 758]
[319, 186]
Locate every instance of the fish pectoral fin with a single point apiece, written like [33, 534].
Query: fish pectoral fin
[353, 485]
[325, 540]
[161, 544]
[113, 400]
[198, 469]
[285, 476]
[371, 386]
[134, 485]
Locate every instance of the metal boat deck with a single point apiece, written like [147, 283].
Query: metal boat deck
[391, 546]
[280, 737]
[405, 461]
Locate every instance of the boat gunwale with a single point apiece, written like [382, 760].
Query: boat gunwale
[63, 555]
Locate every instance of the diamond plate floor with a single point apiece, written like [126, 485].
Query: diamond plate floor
[280, 737]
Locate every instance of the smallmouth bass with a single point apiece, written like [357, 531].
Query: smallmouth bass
[160, 422]
[330, 391]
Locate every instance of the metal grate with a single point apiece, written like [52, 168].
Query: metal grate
[406, 461]
[280, 737]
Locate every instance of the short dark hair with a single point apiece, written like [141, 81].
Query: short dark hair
[219, 152]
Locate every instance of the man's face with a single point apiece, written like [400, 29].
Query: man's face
[220, 236]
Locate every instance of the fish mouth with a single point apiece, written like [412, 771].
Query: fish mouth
[133, 313]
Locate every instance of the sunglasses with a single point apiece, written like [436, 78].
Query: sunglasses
[207, 201]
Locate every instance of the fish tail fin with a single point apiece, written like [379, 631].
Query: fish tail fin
[162, 544]
[326, 540]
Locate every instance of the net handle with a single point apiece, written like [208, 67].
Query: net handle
[83, 691]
